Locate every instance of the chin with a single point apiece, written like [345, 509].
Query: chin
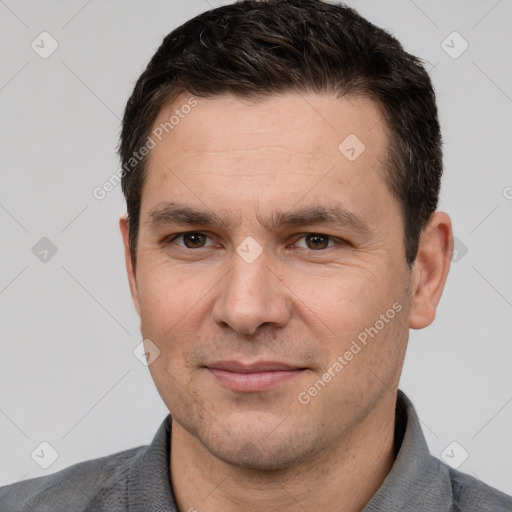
[256, 444]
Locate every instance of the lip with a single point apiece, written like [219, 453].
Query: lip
[259, 376]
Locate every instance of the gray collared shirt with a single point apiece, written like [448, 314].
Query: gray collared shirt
[138, 480]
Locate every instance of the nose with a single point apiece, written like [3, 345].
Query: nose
[251, 296]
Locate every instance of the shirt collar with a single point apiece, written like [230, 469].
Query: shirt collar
[417, 481]
[149, 486]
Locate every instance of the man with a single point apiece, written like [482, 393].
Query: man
[281, 166]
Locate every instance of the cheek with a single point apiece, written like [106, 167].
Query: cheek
[167, 293]
[169, 305]
[360, 316]
[345, 299]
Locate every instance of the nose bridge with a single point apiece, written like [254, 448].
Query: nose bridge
[251, 295]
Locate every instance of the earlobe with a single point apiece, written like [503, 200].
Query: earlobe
[124, 225]
[430, 270]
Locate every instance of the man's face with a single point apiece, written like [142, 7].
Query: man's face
[254, 306]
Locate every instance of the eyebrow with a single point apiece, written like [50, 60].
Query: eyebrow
[173, 213]
[309, 216]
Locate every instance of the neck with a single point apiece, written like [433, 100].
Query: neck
[343, 477]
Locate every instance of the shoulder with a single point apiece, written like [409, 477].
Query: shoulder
[472, 495]
[97, 481]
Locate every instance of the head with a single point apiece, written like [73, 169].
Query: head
[298, 146]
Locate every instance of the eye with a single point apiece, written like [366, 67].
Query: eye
[316, 241]
[190, 240]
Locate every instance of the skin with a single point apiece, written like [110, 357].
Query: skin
[302, 301]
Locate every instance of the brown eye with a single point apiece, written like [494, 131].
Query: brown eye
[316, 241]
[194, 240]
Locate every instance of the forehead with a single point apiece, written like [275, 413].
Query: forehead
[279, 147]
[312, 122]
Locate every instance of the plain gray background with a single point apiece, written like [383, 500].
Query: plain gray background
[68, 375]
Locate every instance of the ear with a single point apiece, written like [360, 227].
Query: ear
[124, 225]
[430, 269]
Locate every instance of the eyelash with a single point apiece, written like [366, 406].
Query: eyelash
[172, 238]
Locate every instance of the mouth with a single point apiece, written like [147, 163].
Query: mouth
[246, 378]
